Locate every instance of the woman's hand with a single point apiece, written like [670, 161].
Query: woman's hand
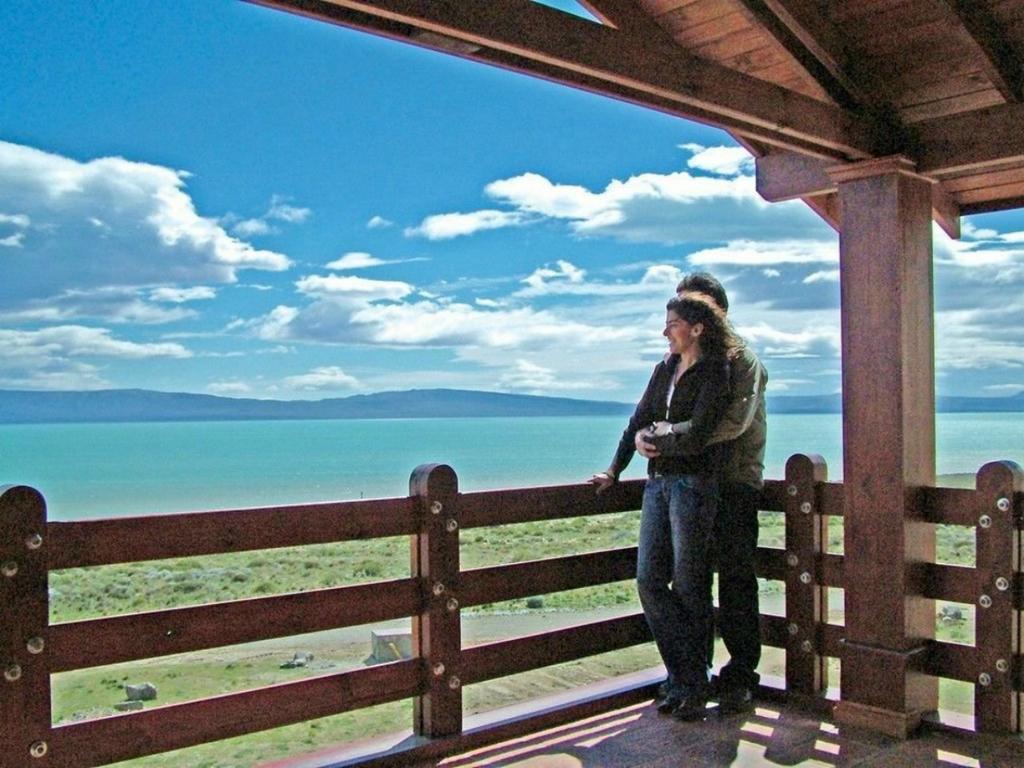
[602, 480]
[644, 448]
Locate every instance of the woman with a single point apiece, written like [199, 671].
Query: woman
[683, 403]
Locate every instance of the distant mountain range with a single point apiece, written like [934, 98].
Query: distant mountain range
[122, 405]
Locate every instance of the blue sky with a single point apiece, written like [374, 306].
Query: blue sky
[215, 197]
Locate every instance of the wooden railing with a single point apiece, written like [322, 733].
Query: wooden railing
[32, 649]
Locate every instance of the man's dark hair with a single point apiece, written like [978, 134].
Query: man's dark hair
[703, 282]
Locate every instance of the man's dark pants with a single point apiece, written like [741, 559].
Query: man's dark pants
[735, 543]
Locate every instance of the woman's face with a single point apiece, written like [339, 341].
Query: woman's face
[682, 337]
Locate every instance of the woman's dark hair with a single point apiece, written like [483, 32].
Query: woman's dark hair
[718, 338]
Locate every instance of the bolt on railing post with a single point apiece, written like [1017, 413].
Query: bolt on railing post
[997, 631]
[24, 617]
[436, 631]
[806, 667]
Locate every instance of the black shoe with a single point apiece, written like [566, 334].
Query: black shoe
[691, 708]
[668, 704]
[735, 699]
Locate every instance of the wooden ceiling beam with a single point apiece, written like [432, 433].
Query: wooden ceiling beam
[627, 16]
[597, 57]
[813, 41]
[826, 206]
[970, 141]
[789, 175]
[985, 34]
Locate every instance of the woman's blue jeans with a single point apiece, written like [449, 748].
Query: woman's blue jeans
[674, 574]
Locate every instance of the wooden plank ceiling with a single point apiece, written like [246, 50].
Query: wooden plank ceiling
[804, 84]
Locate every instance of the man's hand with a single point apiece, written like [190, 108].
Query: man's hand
[603, 481]
[644, 448]
[662, 428]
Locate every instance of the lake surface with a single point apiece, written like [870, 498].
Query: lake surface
[101, 470]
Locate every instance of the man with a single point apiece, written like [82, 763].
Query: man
[735, 533]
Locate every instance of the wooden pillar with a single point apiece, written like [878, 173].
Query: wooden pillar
[997, 629]
[806, 599]
[885, 248]
[436, 631]
[24, 618]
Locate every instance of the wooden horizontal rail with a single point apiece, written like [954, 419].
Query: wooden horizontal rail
[951, 660]
[831, 499]
[949, 582]
[120, 737]
[770, 563]
[96, 642]
[773, 630]
[950, 506]
[538, 577]
[525, 505]
[521, 654]
[773, 496]
[154, 537]
[960, 662]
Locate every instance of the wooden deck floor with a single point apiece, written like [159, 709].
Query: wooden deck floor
[638, 737]
[634, 735]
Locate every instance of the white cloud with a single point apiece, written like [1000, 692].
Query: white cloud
[278, 211]
[111, 305]
[564, 272]
[81, 341]
[274, 325]
[180, 295]
[252, 228]
[355, 260]
[784, 385]
[379, 222]
[532, 193]
[229, 388]
[817, 342]
[771, 273]
[445, 226]
[657, 282]
[13, 221]
[52, 358]
[824, 276]
[529, 377]
[1012, 389]
[667, 208]
[111, 222]
[323, 378]
[752, 253]
[282, 211]
[347, 286]
[19, 220]
[662, 274]
[724, 161]
[57, 376]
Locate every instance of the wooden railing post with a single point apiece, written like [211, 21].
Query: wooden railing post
[806, 667]
[24, 617]
[436, 631]
[997, 630]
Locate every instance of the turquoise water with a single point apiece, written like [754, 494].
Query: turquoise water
[100, 470]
